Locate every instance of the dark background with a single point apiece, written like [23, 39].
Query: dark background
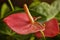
[21, 2]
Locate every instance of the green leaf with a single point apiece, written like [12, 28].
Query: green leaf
[58, 16]
[35, 14]
[22, 37]
[32, 38]
[5, 30]
[48, 38]
[34, 3]
[46, 10]
[56, 4]
[57, 37]
[4, 9]
[18, 8]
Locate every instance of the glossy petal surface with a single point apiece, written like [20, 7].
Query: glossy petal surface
[20, 23]
[51, 29]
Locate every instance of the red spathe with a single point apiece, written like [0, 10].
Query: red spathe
[20, 23]
[51, 29]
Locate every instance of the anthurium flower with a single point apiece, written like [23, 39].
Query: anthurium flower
[23, 23]
[51, 29]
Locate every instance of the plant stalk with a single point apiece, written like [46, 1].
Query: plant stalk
[28, 14]
[11, 5]
[43, 35]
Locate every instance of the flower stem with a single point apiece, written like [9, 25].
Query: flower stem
[11, 5]
[28, 13]
[43, 35]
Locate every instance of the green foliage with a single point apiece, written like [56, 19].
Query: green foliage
[32, 38]
[22, 37]
[4, 29]
[4, 9]
[58, 16]
[18, 8]
[37, 8]
[57, 37]
[35, 14]
[56, 4]
[34, 3]
[46, 10]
